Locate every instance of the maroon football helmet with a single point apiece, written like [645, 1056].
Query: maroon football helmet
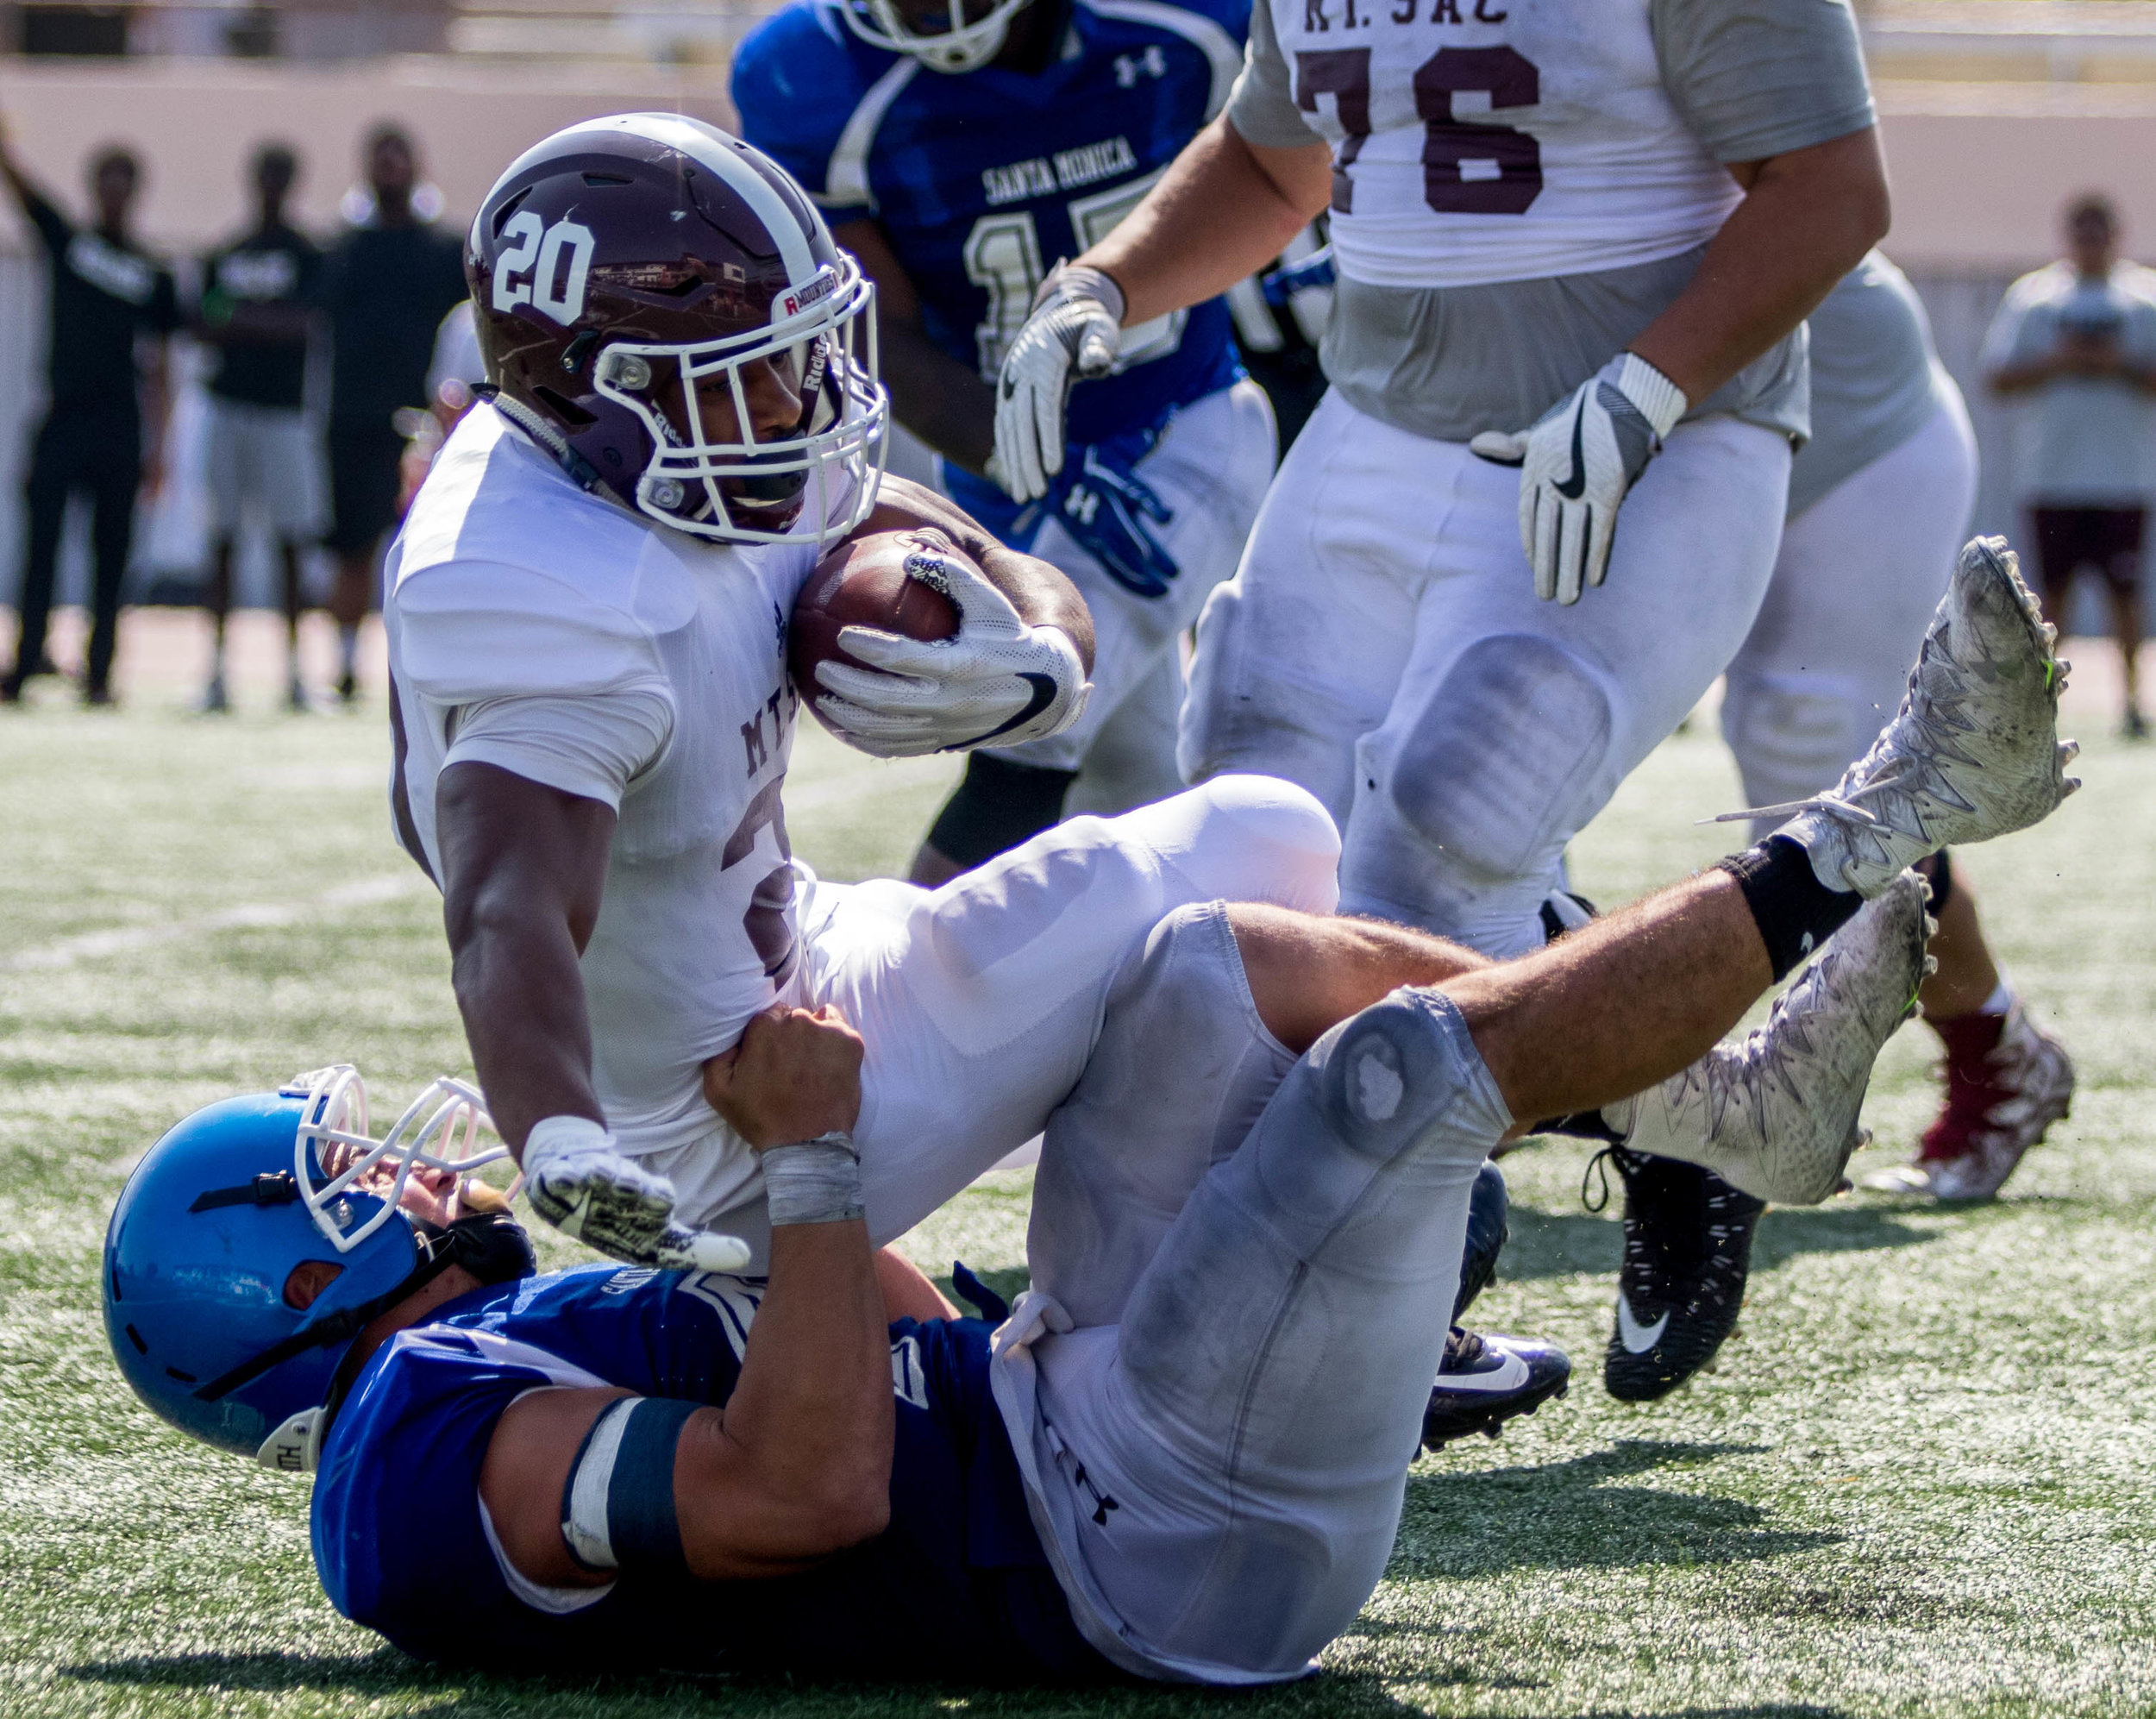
[621, 267]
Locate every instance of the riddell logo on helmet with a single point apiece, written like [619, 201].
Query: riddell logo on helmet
[792, 300]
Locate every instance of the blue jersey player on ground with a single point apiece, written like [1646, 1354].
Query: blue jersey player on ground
[959, 157]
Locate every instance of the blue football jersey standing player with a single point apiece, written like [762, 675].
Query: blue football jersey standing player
[960, 155]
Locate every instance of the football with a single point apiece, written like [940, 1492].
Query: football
[865, 582]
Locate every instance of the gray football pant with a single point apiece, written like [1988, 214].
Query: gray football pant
[1253, 1350]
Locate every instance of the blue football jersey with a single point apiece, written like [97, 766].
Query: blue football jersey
[956, 1586]
[981, 182]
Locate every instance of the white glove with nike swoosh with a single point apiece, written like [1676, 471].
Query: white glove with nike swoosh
[1073, 333]
[1578, 462]
[582, 1184]
[995, 678]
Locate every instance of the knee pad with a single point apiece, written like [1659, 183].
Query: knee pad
[1489, 1209]
[1502, 762]
[1385, 1074]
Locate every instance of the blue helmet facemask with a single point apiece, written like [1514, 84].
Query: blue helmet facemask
[219, 1215]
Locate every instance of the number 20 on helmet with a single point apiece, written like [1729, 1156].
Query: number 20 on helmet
[661, 308]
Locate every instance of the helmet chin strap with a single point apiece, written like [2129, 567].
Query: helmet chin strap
[492, 1245]
[581, 471]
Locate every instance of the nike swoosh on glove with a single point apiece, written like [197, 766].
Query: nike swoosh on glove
[995, 678]
[1578, 462]
[1075, 332]
[580, 1184]
[1109, 512]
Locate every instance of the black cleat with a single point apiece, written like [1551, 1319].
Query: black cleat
[1688, 1252]
[1486, 1380]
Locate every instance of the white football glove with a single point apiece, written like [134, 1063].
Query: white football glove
[1578, 462]
[580, 1184]
[996, 679]
[1075, 332]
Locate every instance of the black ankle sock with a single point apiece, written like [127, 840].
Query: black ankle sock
[1795, 912]
[1939, 872]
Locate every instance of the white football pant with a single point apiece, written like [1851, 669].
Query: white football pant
[1861, 571]
[1252, 1260]
[1211, 468]
[979, 1001]
[1382, 646]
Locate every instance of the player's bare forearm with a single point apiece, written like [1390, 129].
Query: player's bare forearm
[796, 1466]
[1807, 218]
[1040, 593]
[799, 1464]
[1224, 209]
[939, 400]
[523, 867]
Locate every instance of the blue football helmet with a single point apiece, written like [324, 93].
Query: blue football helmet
[220, 1214]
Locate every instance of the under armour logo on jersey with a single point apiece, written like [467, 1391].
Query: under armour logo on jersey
[1129, 68]
[1102, 1503]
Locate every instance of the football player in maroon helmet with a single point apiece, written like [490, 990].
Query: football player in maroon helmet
[591, 594]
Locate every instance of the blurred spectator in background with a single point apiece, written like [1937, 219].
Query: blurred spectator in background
[2078, 339]
[111, 306]
[257, 307]
[390, 281]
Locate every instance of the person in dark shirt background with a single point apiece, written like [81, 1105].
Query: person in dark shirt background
[388, 283]
[257, 309]
[111, 306]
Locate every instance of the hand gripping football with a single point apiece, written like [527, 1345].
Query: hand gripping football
[864, 583]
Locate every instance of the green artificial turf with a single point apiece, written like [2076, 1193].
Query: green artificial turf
[1920, 1481]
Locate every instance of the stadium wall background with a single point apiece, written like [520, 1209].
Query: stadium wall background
[1979, 170]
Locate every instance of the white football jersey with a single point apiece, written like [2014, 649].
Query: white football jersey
[509, 583]
[1551, 113]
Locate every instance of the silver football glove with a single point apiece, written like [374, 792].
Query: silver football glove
[1075, 332]
[996, 679]
[1578, 462]
[579, 1181]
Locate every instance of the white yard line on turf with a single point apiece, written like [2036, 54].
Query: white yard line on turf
[95, 945]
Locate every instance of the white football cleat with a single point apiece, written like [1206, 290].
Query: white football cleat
[1775, 1114]
[1974, 751]
[2007, 1081]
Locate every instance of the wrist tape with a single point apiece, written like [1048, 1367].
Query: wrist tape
[814, 1182]
[617, 1509]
